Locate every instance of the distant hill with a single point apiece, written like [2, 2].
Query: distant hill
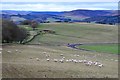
[79, 15]
[89, 13]
[104, 19]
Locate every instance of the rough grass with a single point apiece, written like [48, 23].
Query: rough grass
[19, 65]
[77, 33]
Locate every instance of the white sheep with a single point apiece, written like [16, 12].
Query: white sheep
[116, 60]
[44, 52]
[61, 60]
[77, 55]
[9, 51]
[63, 57]
[1, 49]
[100, 65]
[61, 54]
[75, 61]
[88, 64]
[55, 60]
[16, 50]
[80, 61]
[70, 60]
[67, 60]
[37, 59]
[84, 61]
[47, 55]
[48, 59]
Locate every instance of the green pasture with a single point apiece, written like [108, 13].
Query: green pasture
[106, 48]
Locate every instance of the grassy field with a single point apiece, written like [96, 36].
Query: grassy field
[106, 48]
[77, 33]
[22, 61]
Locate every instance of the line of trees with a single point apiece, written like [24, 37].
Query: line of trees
[12, 33]
[32, 23]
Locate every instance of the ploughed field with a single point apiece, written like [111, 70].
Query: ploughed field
[47, 55]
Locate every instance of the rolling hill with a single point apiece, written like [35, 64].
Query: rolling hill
[66, 16]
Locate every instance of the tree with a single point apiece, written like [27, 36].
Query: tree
[26, 22]
[34, 24]
[12, 33]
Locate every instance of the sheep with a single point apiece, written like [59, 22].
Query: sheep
[47, 55]
[75, 61]
[44, 52]
[55, 60]
[84, 61]
[67, 60]
[80, 61]
[61, 60]
[63, 57]
[100, 65]
[37, 59]
[95, 63]
[61, 54]
[77, 55]
[9, 51]
[48, 59]
[88, 64]
[16, 50]
[116, 60]
[1, 49]
[70, 60]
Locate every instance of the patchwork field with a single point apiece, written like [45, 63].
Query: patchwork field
[41, 57]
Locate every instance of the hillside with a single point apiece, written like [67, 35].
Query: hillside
[66, 16]
[89, 13]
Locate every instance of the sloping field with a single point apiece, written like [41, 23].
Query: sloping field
[31, 60]
[77, 33]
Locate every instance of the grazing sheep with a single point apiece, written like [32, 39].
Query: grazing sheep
[84, 61]
[37, 59]
[44, 52]
[63, 57]
[116, 60]
[61, 54]
[67, 60]
[75, 61]
[70, 60]
[47, 56]
[61, 60]
[77, 55]
[55, 60]
[80, 61]
[48, 59]
[16, 50]
[9, 51]
[1, 49]
[88, 64]
[100, 65]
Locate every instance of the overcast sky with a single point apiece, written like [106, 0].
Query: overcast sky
[37, 5]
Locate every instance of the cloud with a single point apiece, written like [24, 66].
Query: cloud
[60, 1]
[58, 6]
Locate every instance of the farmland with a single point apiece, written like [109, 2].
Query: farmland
[21, 60]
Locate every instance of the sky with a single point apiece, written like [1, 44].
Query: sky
[63, 5]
